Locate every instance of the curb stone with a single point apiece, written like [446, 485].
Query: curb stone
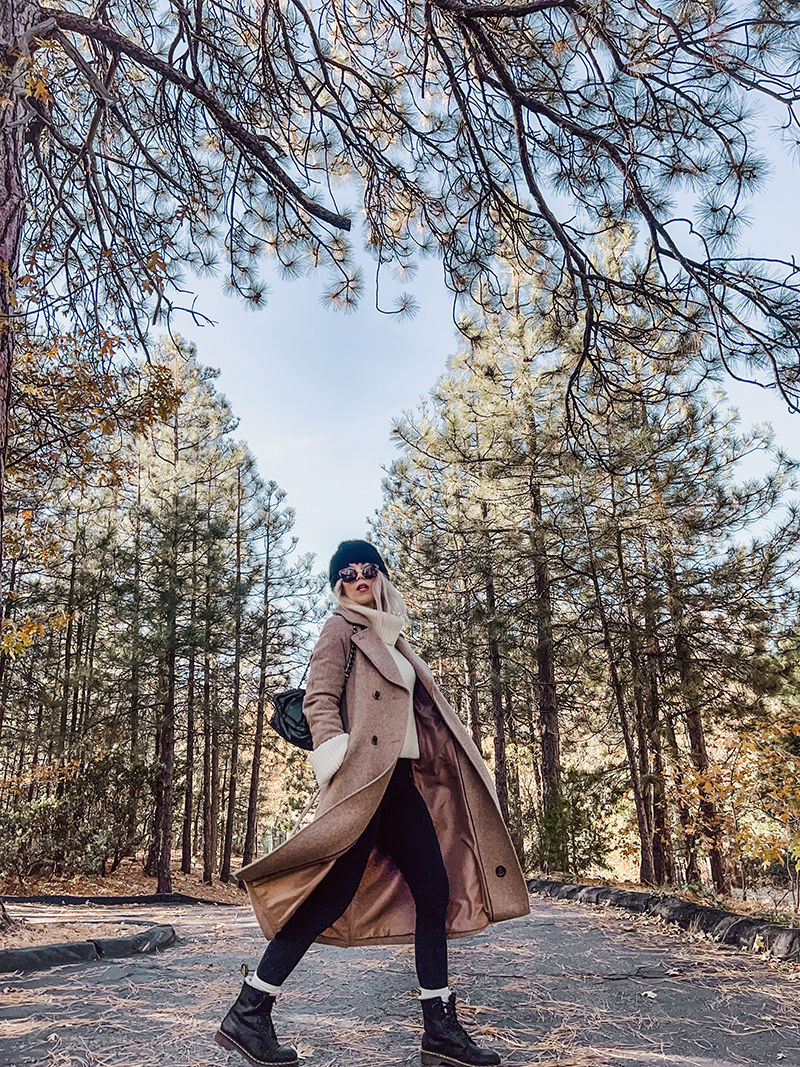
[724, 926]
[41, 957]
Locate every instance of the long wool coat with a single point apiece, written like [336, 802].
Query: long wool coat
[486, 883]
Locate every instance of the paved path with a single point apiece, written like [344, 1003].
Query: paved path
[569, 985]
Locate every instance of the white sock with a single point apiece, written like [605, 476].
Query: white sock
[429, 994]
[262, 987]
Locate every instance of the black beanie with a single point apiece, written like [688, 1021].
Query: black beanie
[350, 552]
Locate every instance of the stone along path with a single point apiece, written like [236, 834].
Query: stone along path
[570, 985]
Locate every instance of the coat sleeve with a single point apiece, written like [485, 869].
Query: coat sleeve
[325, 681]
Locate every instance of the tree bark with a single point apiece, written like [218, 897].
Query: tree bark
[164, 808]
[66, 685]
[692, 872]
[549, 729]
[474, 702]
[17, 18]
[135, 649]
[498, 715]
[687, 672]
[258, 739]
[208, 831]
[647, 869]
[225, 869]
[4, 657]
[512, 776]
[188, 797]
[645, 838]
[215, 789]
[163, 828]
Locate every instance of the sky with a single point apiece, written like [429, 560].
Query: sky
[315, 390]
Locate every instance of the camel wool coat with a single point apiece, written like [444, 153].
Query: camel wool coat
[486, 882]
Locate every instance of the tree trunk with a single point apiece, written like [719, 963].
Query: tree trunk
[690, 688]
[167, 726]
[66, 685]
[474, 703]
[471, 673]
[188, 797]
[225, 870]
[690, 683]
[35, 754]
[647, 870]
[163, 828]
[4, 657]
[135, 649]
[498, 716]
[512, 771]
[549, 731]
[208, 830]
[17, 18]
[164, 809]
[258, 739]
[646, 866]
[663, 857]
[151, 860]
[214, 846]
[76, 683]
[692, 873]
[88, 673]
[6, 922]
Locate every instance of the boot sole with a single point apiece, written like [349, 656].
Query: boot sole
[433, 1058]
[228, 1043]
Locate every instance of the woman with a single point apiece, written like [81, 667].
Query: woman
[407, 845]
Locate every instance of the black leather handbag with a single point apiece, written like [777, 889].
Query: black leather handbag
[288, 719]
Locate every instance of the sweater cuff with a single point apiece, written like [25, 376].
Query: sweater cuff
[328, 758]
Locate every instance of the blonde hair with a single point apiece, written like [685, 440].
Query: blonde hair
[387, 597]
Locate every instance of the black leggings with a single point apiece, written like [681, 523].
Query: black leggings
[401, 827]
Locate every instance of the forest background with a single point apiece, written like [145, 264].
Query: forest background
[615, 624]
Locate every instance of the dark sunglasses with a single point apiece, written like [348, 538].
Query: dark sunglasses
[350, 574]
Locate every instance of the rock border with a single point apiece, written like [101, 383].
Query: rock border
[724, 926]
[41, 957]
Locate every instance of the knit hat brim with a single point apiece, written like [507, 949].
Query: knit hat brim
[350, 552]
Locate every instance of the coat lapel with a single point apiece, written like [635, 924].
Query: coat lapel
[368, 642]
[379, 655]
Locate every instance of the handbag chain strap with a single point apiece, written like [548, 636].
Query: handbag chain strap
[350, 659]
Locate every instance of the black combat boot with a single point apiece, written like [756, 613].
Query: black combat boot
[248, 1030]
[446, 1041]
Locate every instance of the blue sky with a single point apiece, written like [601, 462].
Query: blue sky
[315, 390]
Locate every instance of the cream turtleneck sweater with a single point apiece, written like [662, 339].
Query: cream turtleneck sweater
[328, 758]
[388, 628]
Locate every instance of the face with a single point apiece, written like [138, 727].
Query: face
[360, 591]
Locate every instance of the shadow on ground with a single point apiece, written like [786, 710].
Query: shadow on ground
[569, 985]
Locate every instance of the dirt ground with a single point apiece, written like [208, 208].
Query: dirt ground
[128, 880]
[47, 926]
[568, 986]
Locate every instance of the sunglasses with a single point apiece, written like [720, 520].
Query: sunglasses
[350, 574]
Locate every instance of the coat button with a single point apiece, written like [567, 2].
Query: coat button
[376, 695]
[375, 741]
[500, 871]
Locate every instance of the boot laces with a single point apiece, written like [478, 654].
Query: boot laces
[453, 1025]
